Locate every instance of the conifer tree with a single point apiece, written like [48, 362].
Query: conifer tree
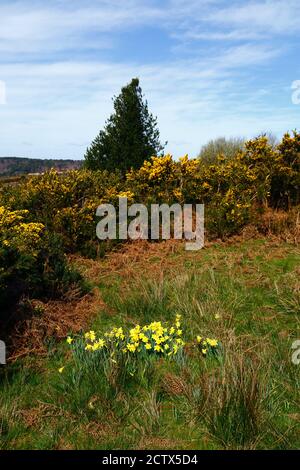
[130, 135]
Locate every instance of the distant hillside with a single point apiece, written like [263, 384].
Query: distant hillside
[14, 166]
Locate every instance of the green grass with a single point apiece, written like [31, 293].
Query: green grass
[246, 398]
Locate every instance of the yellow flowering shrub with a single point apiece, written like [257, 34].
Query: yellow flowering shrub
[65, 203]
[285, 185]
[155, 181]
[31, 260]
[18, 234]
[20, 242]
[231, 189]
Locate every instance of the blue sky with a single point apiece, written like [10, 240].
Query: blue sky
[208, 68]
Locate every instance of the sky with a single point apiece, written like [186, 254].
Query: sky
[208, 68]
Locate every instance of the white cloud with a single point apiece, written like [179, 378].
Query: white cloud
[271, 16]
[27, 27]
[69, 101]
[58, 99]
[235, 35]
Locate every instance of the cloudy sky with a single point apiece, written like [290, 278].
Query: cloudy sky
[208, 68]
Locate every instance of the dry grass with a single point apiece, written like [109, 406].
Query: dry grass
[132, 259]
[54, 320]
[244, 398]
[132, 264]
[281, 224]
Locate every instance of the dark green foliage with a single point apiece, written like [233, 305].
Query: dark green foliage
[53, 277]
[130, 136]
[12, 278]
[44, 275]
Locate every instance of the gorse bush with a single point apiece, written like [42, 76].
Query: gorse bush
[20, 244]
[32, 261]
[66, 204]
[286, 181]
[235, 191]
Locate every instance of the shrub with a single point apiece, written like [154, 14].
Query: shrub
[65, 204]
[32, 261]
[258, 176]
[285, 186]
[20, 243]
[229, 148]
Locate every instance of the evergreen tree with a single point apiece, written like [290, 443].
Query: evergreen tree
[130, 135]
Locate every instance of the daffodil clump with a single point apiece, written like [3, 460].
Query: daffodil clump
[207, 345]
[140, 343]
[155, 338]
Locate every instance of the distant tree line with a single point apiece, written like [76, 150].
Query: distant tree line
[14, 166]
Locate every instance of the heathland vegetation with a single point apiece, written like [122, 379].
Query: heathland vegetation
[141, 344]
